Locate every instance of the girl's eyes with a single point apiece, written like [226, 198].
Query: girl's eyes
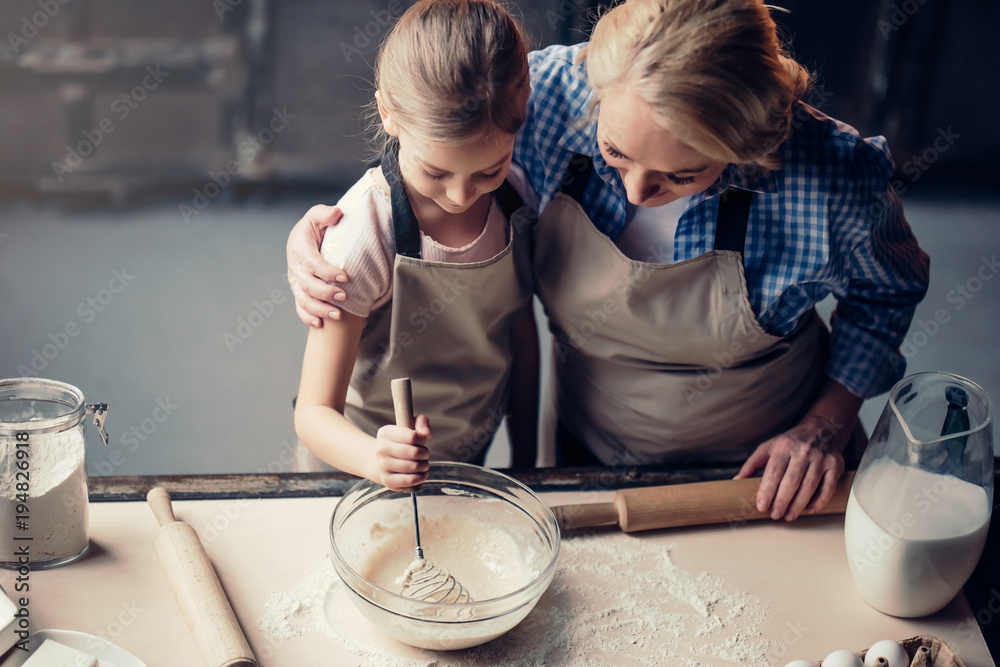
[487, 177]
[681, 180]
[433, 177]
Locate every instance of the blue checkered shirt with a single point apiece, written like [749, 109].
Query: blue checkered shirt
[826, 222]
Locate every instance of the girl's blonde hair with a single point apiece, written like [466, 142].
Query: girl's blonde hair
[713, 71]
[452, 71]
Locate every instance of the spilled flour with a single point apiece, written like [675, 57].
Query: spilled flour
[614, 600]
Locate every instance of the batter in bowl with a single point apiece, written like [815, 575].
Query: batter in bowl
[485, 557]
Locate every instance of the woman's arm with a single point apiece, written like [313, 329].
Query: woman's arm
[309, 275]
[397, 458]
[522, 400]
[883, 276]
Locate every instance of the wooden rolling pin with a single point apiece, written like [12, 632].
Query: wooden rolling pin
[196, 587]
[733, 500]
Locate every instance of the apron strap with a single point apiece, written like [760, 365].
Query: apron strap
[508, 199]
[731, 223]
[577, 176]
[734, 204]
[404, 222]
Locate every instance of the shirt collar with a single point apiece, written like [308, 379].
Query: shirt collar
[581, 137]
[580, 134]
[744, 177]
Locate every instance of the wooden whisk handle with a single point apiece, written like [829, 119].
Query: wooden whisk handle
[402, 401]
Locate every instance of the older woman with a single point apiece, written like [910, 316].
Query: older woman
[693, 210]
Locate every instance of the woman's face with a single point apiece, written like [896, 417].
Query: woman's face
[655, 166]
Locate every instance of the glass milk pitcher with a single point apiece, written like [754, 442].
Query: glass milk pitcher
[920, 504]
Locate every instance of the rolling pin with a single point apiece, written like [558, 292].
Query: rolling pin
[701, 503]
[196, 587]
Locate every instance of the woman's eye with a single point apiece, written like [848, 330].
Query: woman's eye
[433, 177]
[613, 152]
[681, 180]
[487, 177]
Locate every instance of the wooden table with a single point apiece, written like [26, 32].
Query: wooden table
[266, 533]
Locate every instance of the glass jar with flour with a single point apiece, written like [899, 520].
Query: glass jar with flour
[43, 472]
[920, 504]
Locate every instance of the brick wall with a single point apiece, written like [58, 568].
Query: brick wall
[118, 98]
[115, 96]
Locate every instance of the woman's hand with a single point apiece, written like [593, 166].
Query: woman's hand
[801, 468]
[401, 455]
[309, 275]
[803, 464]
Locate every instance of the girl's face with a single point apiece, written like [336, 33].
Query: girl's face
[655, 166]
[454, 176]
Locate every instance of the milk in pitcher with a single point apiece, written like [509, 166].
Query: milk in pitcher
[913, 537]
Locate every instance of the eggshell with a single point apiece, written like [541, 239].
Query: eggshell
[842, 658]
[894, 654]
[799, 663]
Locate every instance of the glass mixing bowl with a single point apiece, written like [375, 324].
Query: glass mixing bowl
[518, 533]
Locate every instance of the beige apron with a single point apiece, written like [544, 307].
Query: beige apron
[449, 329]
[662, 363]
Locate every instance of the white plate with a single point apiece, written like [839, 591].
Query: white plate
[107, 654]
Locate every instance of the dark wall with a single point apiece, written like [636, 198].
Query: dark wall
[923, 73]
[114, 99]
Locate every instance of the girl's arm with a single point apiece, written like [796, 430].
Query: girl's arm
[397, 458]
[522, 400]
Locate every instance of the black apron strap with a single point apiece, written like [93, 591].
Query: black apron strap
[577, 175]
[731, 223]
[508, 199]
[404, 222]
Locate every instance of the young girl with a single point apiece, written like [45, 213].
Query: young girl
[440, 289]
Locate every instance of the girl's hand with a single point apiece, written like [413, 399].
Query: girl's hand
[401, 455]
[801, 468]
[309, 275]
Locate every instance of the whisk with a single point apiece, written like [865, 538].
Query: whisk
[422, 579]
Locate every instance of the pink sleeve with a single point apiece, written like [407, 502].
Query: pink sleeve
[362, 245]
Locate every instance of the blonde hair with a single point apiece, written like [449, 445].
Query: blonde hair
[453, 71]
[714, 72]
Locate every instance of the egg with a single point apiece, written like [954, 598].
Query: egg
[894, 654]
[799, 663]
[842, 658]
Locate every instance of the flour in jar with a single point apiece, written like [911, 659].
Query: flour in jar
[57, 497]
